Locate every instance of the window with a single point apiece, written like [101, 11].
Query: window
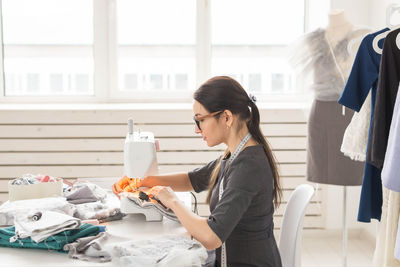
[43, 45]
[156, 42]
[153, 50]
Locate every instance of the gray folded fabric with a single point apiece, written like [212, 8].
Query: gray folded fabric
[80, 195]
[89, 248]
[150, 205]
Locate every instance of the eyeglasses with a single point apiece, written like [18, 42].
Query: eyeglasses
[198, 118]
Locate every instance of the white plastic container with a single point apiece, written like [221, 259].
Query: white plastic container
[31, 191]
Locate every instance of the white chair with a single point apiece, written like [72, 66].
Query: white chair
[292, 225]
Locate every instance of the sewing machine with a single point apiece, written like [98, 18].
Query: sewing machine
[140, 160]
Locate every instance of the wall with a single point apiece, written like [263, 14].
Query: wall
[357, 11]
[87, 142]
[377, 14]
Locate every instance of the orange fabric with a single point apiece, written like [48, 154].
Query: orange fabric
[126, 184]
[130, 185]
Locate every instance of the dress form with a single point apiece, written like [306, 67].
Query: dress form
[337, 29]
[338, 26]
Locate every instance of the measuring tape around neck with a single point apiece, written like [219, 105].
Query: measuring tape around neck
[221, 188]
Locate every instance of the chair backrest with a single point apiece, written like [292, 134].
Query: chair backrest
[292, 225]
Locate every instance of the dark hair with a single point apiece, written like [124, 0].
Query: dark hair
[224, 93]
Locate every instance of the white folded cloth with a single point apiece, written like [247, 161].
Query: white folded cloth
[47, 223]
[10, 209]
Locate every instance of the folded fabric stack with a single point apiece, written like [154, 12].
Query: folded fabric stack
[41, 225]
[10, 209]
[54, 242]
[54, 223]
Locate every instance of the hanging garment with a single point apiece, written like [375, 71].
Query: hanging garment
[363, 79]
[397, 246]
[325, 163]
[173, 250]
[384, 255]
[355, 137]
[329, 67]
[391, 168]
[55, 242]
[389, 78]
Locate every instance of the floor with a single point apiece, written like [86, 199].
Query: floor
[325, 250]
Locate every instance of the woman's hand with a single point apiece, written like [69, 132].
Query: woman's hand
[144, 182]
[165, 194]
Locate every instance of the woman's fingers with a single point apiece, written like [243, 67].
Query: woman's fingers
[155, 190]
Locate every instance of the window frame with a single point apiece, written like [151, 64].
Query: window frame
[105, 47]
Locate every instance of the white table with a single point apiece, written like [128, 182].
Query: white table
[132, 227]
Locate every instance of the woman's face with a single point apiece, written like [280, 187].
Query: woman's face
[212, 128]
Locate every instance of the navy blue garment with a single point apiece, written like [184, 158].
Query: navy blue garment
[363, 78]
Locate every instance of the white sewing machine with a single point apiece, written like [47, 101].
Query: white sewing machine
[140, 160]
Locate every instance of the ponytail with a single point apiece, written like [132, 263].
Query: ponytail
[254, 128]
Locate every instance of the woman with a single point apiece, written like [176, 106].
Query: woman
[242, 210]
